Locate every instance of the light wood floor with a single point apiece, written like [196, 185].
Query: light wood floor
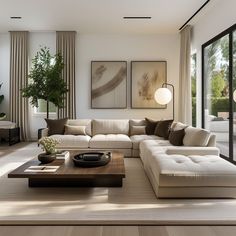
[118, 231]
[133, 204]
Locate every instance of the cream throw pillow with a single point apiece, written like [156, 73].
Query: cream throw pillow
[137, 130]
[196, 137]
[178, 126]
[75, 130]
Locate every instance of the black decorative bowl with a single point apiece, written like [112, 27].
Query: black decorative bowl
[92, 159]
[46, 158]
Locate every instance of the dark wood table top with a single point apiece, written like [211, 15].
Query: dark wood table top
[67, 169]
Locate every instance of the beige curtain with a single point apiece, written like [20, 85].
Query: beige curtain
[185, 97]
[65, 44]
[18, 80]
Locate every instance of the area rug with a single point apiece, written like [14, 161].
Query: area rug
[133, 204]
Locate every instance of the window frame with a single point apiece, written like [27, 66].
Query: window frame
[229, 31]
[37, 113]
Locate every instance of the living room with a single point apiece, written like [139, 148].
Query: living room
[149, 95]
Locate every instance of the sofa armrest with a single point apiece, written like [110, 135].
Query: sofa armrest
[212, 141]
[193, 151]
[42, 133]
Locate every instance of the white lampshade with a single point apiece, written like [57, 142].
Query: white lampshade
[163, 96]
[234, 95]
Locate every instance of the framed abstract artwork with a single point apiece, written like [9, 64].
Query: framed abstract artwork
[109, 84]
[146, 78]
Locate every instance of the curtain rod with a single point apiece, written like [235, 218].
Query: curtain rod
[194, 14]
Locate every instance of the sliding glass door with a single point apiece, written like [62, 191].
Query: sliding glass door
[234, 95]
[219, 83]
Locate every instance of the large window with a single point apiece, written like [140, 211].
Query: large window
[219, 71]
[42, 108]
[194, 86]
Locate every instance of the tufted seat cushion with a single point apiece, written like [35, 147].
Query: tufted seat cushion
[136, 139]
[72, 141]
[194, 170]
[110, 141]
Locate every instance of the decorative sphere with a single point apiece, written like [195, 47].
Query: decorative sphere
[234, 95]
[163, 96]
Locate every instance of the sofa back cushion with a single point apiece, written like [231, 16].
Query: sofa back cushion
[137, 122]
[196, 137]
[108, 126]
[82, 122]
[137, 127]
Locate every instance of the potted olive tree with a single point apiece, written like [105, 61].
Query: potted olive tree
[2, 114]
[46, 79]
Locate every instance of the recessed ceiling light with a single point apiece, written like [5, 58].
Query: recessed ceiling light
[16, 17]
[137, 17]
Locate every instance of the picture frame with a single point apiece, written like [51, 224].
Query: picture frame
[108, 84]
[146, 78]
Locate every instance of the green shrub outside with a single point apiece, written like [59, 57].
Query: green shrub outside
[194, 112]
[218, 104]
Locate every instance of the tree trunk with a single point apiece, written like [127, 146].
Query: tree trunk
[47, 109]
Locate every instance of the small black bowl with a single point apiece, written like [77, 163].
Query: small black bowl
[46, 158]
[92, 159]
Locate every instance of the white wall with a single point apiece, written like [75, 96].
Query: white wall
[101, 47]
[5, 71]
[218, 18]
[123, 47]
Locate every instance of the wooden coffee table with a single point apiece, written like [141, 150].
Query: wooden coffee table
[110, 175]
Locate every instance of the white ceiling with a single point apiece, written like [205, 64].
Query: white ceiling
[97, 16]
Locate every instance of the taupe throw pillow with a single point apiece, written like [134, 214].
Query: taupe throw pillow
[176, 137]
[75, 130]
[56, 126]
[137, 130]
[150, 126]
[163, 128]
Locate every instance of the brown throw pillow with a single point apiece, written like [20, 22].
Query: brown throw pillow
[75, 130]
[163, 128]
[56, 126]
[176, 137]
[150, 126]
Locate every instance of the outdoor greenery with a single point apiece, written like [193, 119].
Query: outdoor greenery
[42, 107]
[217, 74]
[219, 105]
[46, 80]
[194, 119]
[193, 84]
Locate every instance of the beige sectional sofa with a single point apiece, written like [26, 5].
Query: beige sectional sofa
[103, 134]
[193, 170]
[108, 134]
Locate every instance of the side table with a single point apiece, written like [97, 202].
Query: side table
[12, 135]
